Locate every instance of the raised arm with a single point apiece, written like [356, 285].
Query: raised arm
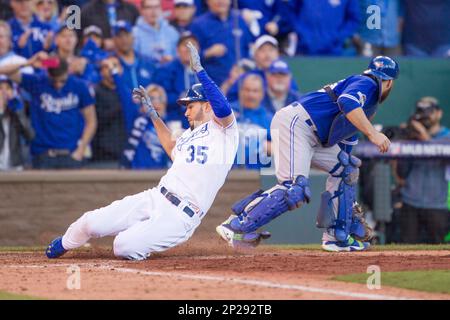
[12, 71]
[219, 104]
[141, 96]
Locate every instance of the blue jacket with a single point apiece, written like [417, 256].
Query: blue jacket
[35, 41]
[134, 75]
[357, 91]
[210, 30]
[155, 43]
[176, 79]
[426, 183]
[323, 26]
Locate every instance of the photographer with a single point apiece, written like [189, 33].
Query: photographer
[424, 183]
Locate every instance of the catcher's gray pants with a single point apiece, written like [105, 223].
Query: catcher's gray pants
[296, 148]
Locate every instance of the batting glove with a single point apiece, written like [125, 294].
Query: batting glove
[196, 65]
[141, 97]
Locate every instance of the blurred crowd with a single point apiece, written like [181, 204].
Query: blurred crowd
[65, 92]
[65, 98]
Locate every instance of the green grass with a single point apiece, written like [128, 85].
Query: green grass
[436, 281]
[13, 296]
[388, 247]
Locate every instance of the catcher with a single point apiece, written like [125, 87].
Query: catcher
[319, 131]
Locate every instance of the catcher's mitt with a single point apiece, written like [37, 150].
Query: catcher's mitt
[368, 231]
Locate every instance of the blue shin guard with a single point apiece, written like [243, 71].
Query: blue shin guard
[344, 222]
[260, 208]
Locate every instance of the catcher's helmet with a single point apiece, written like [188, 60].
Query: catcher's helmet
[194, 94]
[383, 67]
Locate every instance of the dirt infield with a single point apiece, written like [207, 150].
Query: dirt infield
[195, 272]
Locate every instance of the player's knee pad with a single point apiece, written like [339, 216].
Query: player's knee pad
[266, 206]
[344, 222]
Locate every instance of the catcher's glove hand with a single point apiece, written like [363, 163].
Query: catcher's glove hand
[141, 97]
[368, 231]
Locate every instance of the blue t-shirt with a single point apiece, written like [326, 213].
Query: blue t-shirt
[55, 114]
[356, 91]
[36, 39]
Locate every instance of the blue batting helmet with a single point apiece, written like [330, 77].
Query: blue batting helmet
[383, 67]
[194, 94]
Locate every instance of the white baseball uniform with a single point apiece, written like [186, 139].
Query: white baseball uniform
[148, 222]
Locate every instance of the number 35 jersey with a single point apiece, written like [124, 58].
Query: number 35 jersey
[202, 159]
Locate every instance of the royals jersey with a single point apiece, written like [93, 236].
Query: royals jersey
[202, 159]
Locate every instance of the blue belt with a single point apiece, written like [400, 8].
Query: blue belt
[176, 201]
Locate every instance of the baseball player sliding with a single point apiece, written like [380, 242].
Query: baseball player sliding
[167, 215]
[319, 131]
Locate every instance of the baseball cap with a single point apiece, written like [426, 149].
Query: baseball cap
[279, 66]
[188, 3]
[92, 29]
[122, 25]
[263, 40]
[427, 105]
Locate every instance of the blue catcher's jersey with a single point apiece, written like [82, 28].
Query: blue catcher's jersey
[358, 91]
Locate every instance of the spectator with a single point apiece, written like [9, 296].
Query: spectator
[322, 26]
[385, 40]
[62, 113]
[143, 149]
[254, 123]
[427, 29]
[264, 51]
[29, 35]
[425, 183]
[66, 42]
[14, 126]
[177, 77]
[214, 31]
[155, 38]
[109, 141]
[264, 17]
[279, 92]
[183, 14]
[93, 46]
[47, 12]
[7, 56]
[137, 70]
[105, 14]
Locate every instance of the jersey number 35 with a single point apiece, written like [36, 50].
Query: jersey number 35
[197, 154]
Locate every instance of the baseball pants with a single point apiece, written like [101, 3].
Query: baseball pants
[296, 148]
[142, 224]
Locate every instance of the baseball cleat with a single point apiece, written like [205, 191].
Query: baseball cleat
[240, 240]
[345, 246]
[55, 249]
